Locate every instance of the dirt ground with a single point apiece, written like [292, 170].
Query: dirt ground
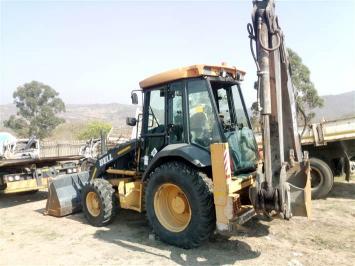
[27, 237]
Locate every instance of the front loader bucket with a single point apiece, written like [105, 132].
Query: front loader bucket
[300, 191]
[64, 193]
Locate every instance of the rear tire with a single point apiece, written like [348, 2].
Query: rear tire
[179, 205]
[322, 179]
[98, 201]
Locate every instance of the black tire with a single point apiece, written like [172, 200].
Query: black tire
[322, 179]
[106, 200]
[337, 166]
[197, 188]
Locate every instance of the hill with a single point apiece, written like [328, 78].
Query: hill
[77, 115]
[114, 113]
[336, 106]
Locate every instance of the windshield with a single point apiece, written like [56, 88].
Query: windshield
[230, 107]
[236, 126]
[241, 117]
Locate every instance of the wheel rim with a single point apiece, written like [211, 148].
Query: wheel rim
[316, 179]
[93, 204]
[172, 207]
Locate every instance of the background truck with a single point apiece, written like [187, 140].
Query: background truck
[331, 144]
[24, 167]
[331, 147]
[24, 175]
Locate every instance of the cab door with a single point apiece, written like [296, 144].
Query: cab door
[176, 128]
[154, 124]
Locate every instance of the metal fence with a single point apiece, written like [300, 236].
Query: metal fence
[60, 148]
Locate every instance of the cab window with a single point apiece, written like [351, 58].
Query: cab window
[240, 114]
[175, 113]
[202, 122]
[156, 118]
[155, 128]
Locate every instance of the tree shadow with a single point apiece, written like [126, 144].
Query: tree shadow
[345, 190]
[130, 230]
[11, 200]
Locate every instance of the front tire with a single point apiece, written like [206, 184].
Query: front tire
[179, 205]
[321, 178]
[98, 201]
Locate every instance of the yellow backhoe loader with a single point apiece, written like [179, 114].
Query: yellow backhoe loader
[194, 166]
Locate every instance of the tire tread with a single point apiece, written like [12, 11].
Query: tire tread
[106, 195]
[203, 187]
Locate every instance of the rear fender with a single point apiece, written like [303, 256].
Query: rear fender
[192, 154]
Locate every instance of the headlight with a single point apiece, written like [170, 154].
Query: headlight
[69, 171]
[74, 170]
[10, 178]
[17, 177]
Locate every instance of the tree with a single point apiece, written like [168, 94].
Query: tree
[37, 105]
[94, 129]
[307, 96]
[254, 117]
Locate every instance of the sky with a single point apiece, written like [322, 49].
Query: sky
[98, 51]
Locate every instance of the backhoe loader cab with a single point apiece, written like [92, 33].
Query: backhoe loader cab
[195, 107]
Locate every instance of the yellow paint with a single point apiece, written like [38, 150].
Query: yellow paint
[124, 150]
[24, 185]
[189, 72]
[130, 194]
[93, 174]
[199, 109]
[172, 207]
[117, 181]
[92, 203]
[308, 192]
[121, 172]
[240, 183]
[225, 191]
[218, 171]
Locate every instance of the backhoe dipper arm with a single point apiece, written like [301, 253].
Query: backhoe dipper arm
[276, 99]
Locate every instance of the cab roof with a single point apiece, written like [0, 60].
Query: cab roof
[191, 72]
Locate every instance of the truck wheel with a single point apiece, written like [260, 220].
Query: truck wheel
[321, 178]
[352, 167]
[98, 201]
[179, 205]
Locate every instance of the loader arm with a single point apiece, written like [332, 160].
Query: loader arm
[286, 169]
[113, 158]
[65, 191]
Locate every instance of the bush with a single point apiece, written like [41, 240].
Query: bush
[93, 130]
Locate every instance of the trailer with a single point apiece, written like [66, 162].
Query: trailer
[30, 175]
[26, 167]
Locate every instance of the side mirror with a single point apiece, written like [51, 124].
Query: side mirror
[134, 98]
[131, 121]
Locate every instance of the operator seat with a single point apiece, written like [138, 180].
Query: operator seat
[198, 122]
